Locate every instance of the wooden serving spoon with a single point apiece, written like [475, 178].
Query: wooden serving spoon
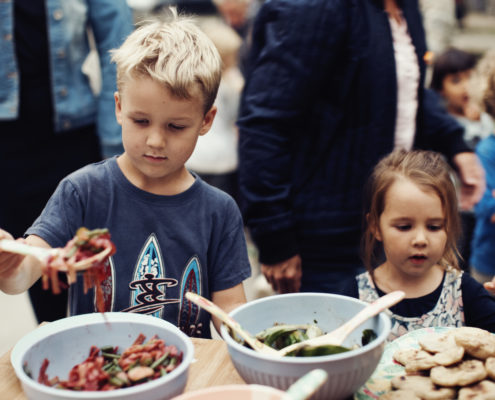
[45, 254]
[337, 336]
[213, 309]
[306, 385]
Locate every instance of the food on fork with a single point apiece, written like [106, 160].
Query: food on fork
[88, 252]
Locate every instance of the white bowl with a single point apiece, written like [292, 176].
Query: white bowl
[347, 372]
[66, 342]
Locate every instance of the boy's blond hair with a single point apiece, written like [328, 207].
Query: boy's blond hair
[175, 53]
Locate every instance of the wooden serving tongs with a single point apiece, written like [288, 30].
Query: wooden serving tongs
[213, 309]
[44, 255]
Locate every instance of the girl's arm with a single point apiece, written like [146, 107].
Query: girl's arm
[228, 300]
[18, 273]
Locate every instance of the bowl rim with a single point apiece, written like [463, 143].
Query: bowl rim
[381, 338]
[254, 388]
[61, 325]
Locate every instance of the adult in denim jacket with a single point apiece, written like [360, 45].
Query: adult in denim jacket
[51, 122]
[74, 101]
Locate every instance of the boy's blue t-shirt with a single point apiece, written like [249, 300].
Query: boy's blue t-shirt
[166, 245]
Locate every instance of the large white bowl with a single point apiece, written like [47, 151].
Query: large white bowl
[347, 372]
[66, 342]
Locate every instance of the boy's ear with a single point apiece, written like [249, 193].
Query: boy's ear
[208, 120]
[118, 108]
[375, 230]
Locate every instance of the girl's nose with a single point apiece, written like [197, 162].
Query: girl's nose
[419, 239]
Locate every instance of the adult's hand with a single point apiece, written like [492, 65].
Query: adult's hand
[285, 277]
[490, 286]
[472, 176]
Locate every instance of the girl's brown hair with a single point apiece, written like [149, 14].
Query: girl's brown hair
[428, 170]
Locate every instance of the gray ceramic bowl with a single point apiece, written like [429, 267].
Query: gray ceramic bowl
[347, 372]
[66, 342]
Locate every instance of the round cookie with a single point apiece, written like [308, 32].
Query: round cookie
[476, 342]
[423, 387]
[437, 343]
[415, 359]
[449, 356]
[484, 390]
[462, 374]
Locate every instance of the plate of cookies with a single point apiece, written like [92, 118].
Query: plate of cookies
[435, 363]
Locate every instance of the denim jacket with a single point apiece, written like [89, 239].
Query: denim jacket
[75, 103]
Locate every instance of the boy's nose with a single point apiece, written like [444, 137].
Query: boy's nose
[156, 138]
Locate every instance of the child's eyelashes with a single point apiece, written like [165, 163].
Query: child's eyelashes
[140, 121]
[176, 127]
[430, 227]
[146, 122]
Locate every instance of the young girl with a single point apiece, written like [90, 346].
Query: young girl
[410, 245]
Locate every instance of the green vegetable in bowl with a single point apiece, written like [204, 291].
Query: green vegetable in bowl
[283, 335]
[368, 336]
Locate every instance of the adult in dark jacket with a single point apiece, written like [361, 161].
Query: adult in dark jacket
[319, 110]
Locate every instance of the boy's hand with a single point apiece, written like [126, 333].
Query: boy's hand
[472, 176]
[285, 277]
[8, 261]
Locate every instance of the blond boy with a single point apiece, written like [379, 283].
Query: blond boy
[173, 232]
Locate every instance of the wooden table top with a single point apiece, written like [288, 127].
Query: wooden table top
[212, 367]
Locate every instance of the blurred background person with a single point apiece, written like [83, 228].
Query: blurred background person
[332, 87]
[483, 243]
[215, 156]
[51, 120]
[452, 80]
[440, 23]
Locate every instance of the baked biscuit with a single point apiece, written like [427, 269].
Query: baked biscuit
[423, 387]
[437, 343]
[462, 374]
[476, 342]
[399, 395]
[450, 356]
[490, 367]
[415, 359]
[484, 390]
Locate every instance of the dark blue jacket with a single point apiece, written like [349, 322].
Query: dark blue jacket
[317, 113]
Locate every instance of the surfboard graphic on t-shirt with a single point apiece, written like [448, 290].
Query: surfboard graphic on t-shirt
[189, 312]
[148, 287]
